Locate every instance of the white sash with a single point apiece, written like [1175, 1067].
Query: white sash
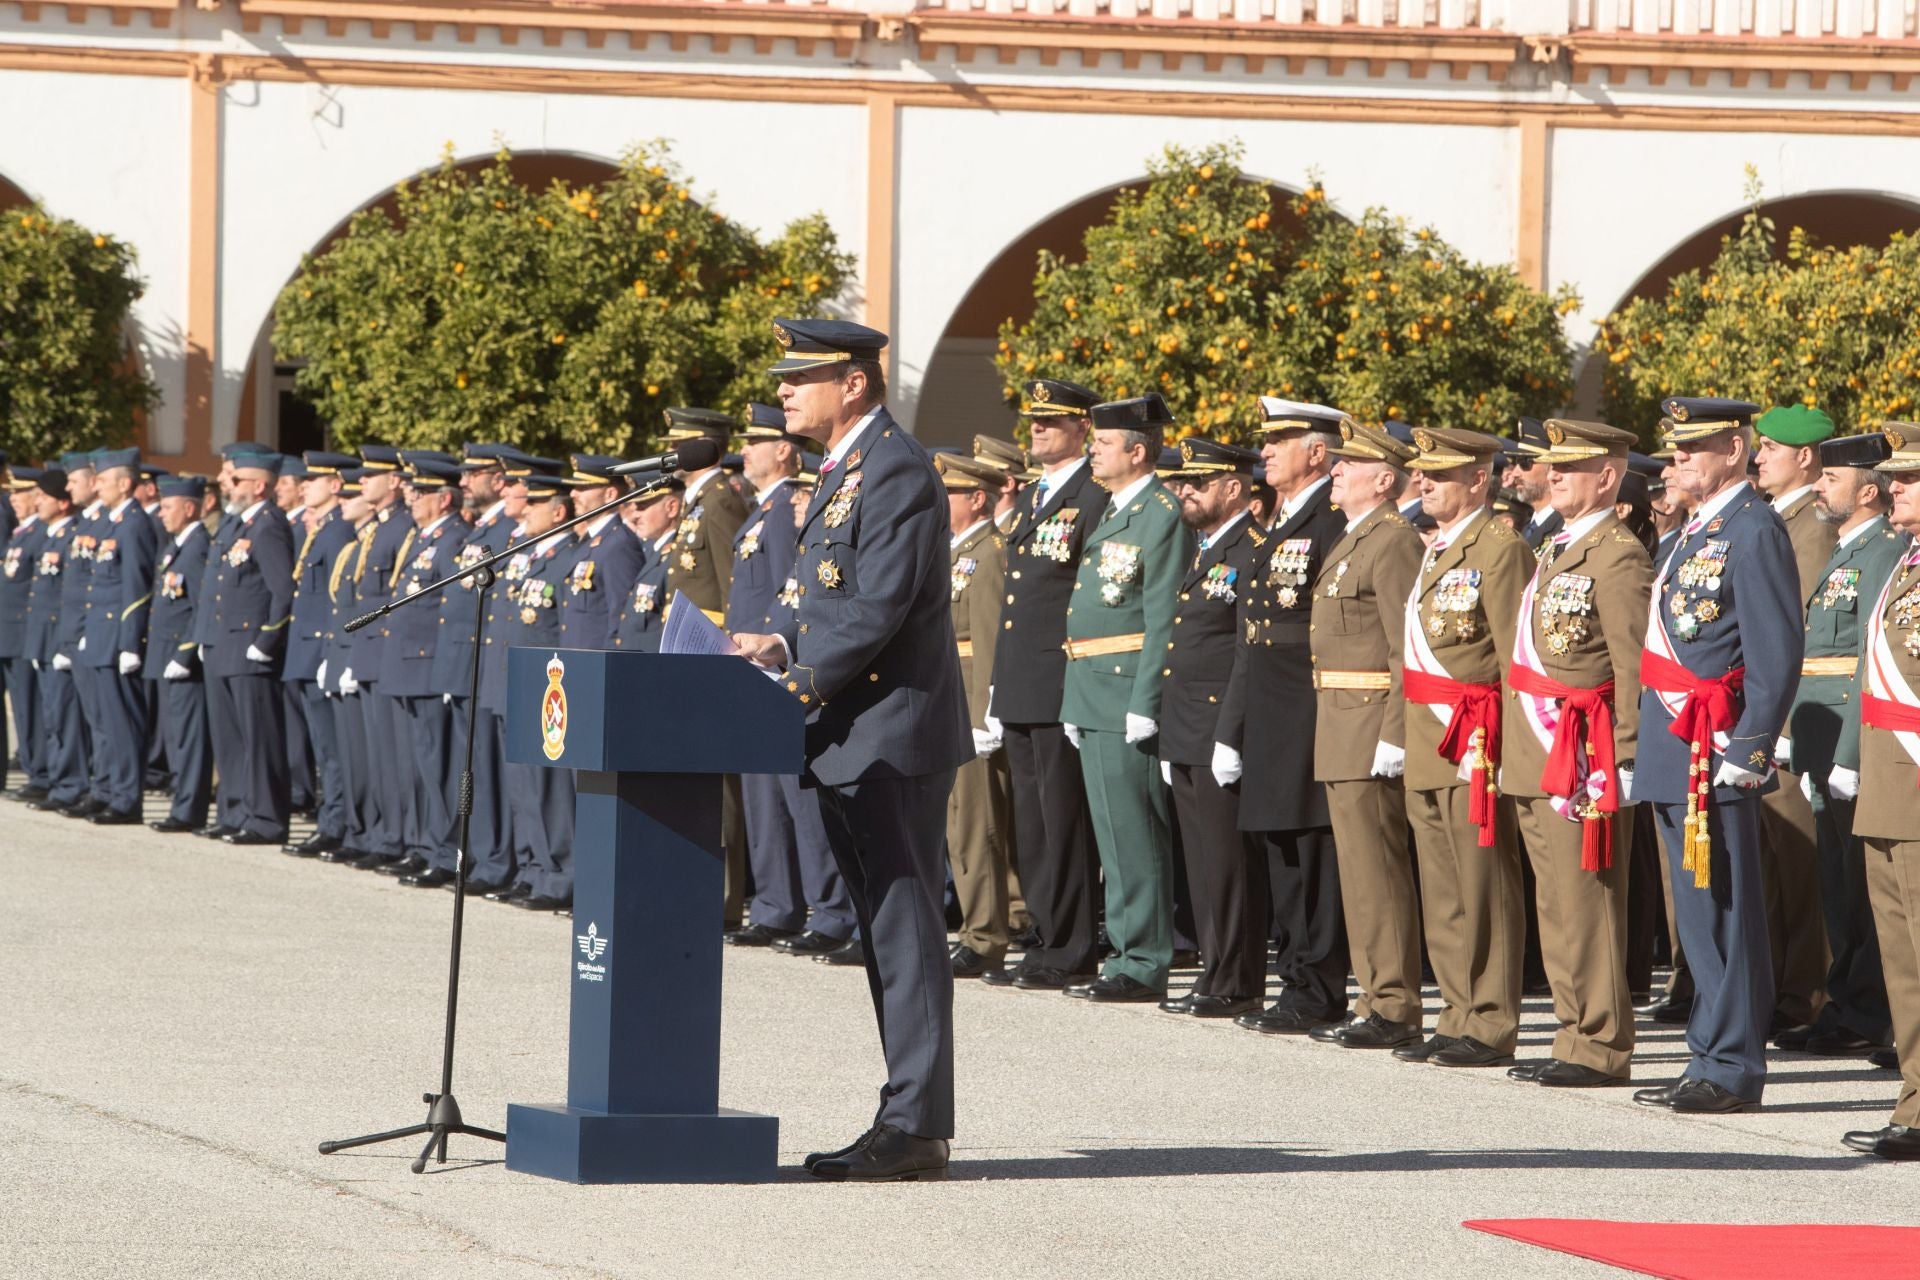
[1883, 677]
[1418, 654]
[1543, 714]
[1661, 643]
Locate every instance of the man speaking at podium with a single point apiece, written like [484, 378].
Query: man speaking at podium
[870, 654]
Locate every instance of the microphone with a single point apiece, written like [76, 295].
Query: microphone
[692, 455]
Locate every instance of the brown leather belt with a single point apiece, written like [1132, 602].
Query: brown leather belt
[1380, 680]
[1829, 666]
[1103, 645]
[966, 648]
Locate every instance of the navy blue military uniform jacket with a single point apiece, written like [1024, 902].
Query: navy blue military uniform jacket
[373, 577]
[764, 550]
[74, 580]
[524, 610]
[600, 575]
[874, 659]
[1043, 559]
[16, 585]
[1206, 632]
[406, 666]
[250, 568]
[312, 602]
[177, 576]
[453, 650]
[120, 587]
[44, 600]
[637, 628]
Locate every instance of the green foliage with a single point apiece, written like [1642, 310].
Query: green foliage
[1195, 289]
[67, 380]
[565, 319]
[1821, 326]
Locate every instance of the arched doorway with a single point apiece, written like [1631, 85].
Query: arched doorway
[12, 197]
[270, 410]
[962, 393]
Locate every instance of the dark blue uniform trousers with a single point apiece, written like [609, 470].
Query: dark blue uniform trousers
[1723, 930]
[156, 763]
[247, 719]
[390, 776]
[356, 770]
[430, 833]
[301, 757]
[795, 882]
[86, 689]
[65, 736]
[330, 805]
[23, 692]
[540, 818]
[183, 726]
[119, 738]
[489, 851]
[889, 838]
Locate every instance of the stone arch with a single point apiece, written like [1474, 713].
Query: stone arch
[268, 408]
[12, 197]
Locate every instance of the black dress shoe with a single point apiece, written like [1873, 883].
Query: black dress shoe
[1704, 1097]
[1672, 1011]
[1792, 1036]
[1841, 1043]
[1885, 1059]
[1528, 1072]
[1223, 1006]
[1027, 938]
[887, 1155]
[171, 826]
[810, 942]
[249, 838]
[816, 1157]
[851, 952]
[85, 808]
[968, 963]
[1329, 1032]
[756, 935]
[1281, 1020]
[1002, 977]
[28, 794]
[342, 855]
[410, 866]
[1864, 1140]
[1898, 1142]
[375, 861]
[482, 888]
[1422, 1050]
[510, 893]
[313, 845]
[1468, 1052]
[1571, 1075]
[1660, 1096]
[115, 818]
[432, 878]
[1119, 989]
[1179, 1004]
[218, 831]
[1041, 977]
[541, 903]
[1377, 1033]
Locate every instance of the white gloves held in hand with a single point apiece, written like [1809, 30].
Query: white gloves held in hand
[1139, 728]
[1227, 765]
[1166, 772]
[1073, 734]
[1732, 775]
[985, 743]
[129, 663]
[1844, 783]
[175, 670]
[254, 654]
[347, 683]
[1389, 761]
[61, 662]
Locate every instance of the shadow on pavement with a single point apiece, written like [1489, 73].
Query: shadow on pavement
[1175, 1162]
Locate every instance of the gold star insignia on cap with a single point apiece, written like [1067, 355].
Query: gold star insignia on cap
[1041, 393]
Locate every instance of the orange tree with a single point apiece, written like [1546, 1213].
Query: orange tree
[1831, 327]
[1197, 287]
[558, 319]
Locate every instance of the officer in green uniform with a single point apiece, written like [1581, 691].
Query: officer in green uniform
[1124, 601]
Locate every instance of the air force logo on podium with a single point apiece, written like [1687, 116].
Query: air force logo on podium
[553, 715]
[592, 946]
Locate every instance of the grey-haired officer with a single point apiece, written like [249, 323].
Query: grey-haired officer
[654, 518]
[114, 644]
[243, 628]
[320, 533]
[1724, 645]
[607, 558]
[62, 730]
[22, 550]
[800, 902]
[431, 488]
[392, 532]
[173, 667]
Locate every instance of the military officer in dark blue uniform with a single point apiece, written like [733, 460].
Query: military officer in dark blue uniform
[800, 903]
[319, 533]
[1723, 652]
[17, 561]
[334, 676]
[383, 719]
[870, 654]
[74, 579]
[607, 558]
[655, 522]
[119, 594]
[172, 664]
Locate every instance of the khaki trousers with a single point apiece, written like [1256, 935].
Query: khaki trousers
[1583, 936]
[978, 817]
[1377, 896]
[1790, 887]
[1475, 914]
[1893, 882]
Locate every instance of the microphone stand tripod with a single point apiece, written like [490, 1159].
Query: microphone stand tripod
[443, 1115]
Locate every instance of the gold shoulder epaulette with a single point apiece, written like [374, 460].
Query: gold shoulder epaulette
[1393, 517]
[1165, 501]
[1501, 531]
[1259, 538]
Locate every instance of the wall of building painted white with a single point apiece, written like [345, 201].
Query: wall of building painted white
[299, 159]
[111, 152]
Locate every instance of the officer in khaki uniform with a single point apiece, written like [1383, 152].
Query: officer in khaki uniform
[1786, 449]
[1572, 718]
[1359, 737]
[1118, 626]
[711, 513]
[1009, 462]
[1887, 814]
[979, 813]
[1459, 635]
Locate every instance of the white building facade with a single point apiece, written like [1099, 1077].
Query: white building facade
[1586, 141]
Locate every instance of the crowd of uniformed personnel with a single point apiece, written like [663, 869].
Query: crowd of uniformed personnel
[1401, 705]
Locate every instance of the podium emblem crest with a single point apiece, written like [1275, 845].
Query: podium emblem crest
[553, 711]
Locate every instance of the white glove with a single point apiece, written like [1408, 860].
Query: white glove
[1227, 766]
[1806, 785]
[347, 683]
[446, 699]
[320, 676]
[1732, 775]
[1073, 734]
[984, 743]
[203, 653]
[1389, 761]
[1626, 787]
[129, 663]
[254, 654]
[1139, 728]
[1166, 772]
[994, 727]
[61, 662]
[35, 662]
[1844, 783]
[175, 670]
[82, 646]
[1783, 751]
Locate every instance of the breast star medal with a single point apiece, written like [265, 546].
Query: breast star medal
[829, 574]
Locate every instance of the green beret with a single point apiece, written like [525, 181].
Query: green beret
[1794, 424]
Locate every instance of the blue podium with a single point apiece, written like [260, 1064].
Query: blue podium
[651, 736]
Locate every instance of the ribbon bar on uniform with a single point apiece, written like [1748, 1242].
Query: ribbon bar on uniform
[1100, 646]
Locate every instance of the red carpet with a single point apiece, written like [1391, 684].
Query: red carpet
[1707, 1251]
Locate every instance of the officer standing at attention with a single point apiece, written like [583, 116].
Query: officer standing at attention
[800, 903]
[119, 594]
[387, 541]
[1226, 874]
[1459, 635]
[606, 560]
[243, 631]
[17, 563]
[871, 656]
[702, 568]
[1851, 499]
[1571, 732]
[655, 521]
[68, 656]
[318, 535]
[1053, 831]
[1880, 769]
[1786, 451]
[980, 813]
[1118, 629]
[1724, 645]
[61, 728]
[172, 663]
[335, 678]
